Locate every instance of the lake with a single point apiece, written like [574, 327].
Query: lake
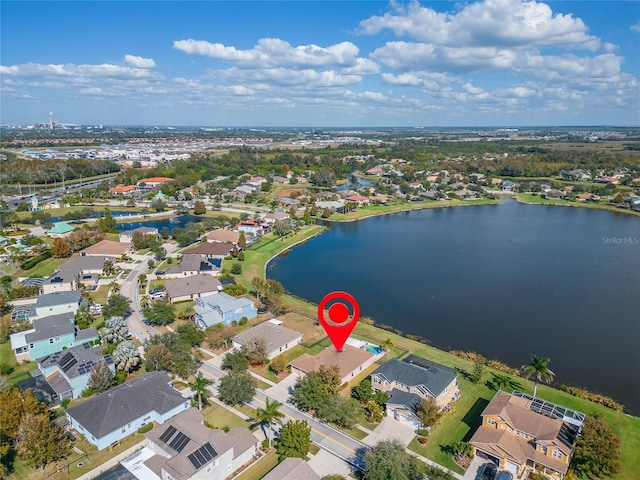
[171, 223]
[503, 280]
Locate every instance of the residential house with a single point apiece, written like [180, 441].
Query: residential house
[276, 338]
[359, 199]
[191, 287]
[223, 235]
[60, 230]
[377, 171]
[147, 184]
[184, 448]
[509, 186]
[127, 235]
[521, 433]
[251, 227]
[210, 250]
[222, 308]
[192, 265]
[553, 193]
[292, 469]
[331, 205]
[124, 190]
[278, 179]
[68, 371]
[50, 335]
[54, 304]
[113, 415]
[107, 248]
[350, 361]
[272, 218]
[289, 202]
[78, 271]
[410, 382]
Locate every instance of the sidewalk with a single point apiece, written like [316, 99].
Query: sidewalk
[112, 462]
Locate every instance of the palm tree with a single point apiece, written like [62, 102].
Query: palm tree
[115, 287]
[145, 301]
[539, 369]
[199, 386]
[502, 381]
[269, 415]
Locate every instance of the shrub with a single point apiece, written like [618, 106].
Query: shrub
[145, 428]
[243, 321]
[422, 440]
[32, 262]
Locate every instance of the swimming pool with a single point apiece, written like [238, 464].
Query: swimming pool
[375, 350]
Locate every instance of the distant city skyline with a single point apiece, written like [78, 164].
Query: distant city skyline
[325, 64]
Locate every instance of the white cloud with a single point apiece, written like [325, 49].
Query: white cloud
[498, 23]
[139, 62]
[273, 53]
[635, 28]
[71, 70]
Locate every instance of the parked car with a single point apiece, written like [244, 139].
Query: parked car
[504, 475]
[488, 471]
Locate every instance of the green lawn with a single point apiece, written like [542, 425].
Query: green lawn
[217, 416]
[530, 198]
[46, 267]
[20, 371]
[260, 468]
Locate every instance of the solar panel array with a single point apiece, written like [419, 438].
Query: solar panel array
[108, 359]
[202, 456]
[67, 361]
[168, 433]
[179, 442]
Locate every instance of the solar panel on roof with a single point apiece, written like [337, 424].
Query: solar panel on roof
[108, 359]
[202, 456]
[168, 433]
[86, 345]
[67, 361]
[179, 442]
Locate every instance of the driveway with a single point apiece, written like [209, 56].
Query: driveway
[281, 391]
[388, 429]
[473, 472]
[325, 463]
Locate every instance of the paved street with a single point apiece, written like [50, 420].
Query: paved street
[129, 289]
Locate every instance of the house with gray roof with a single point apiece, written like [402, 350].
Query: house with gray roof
[184, 448]
[77, 271]
[292, 469]
[192, 265]
[210, 250]
[276, 338]
[120, 411]
[222, 308]
[68, 371]
[127, 235]
[55, 304]
[50, 335]
[191, 287]
[410, 382]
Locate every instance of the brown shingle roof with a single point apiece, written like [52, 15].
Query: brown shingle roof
[193, 285]
[223, 235]
[108, 248]
[210, 248]
[347, 360]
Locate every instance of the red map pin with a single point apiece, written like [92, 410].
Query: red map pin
[338, 326]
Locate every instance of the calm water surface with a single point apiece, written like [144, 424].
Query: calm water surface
[503, 280]
[171, 223]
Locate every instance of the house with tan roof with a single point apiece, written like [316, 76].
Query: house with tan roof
[124, 190]
[350, 361]
[184, 448]
[210, 250]
[107, 248]
[277, 338]
[292, 469]
[521, 433]
[192, 287]
[359, 199]
[223, 235]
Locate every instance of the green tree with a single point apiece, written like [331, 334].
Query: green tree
[183, 360]
[310, 392]
[39, 442]
[269, 415]
[344, 412]
[242, 240]
[330, 376]
[363, 391]
[117, 306]
[279, 364]
[107, 223]
[597, 450]
[199, 208]
[236, 268]
[236, 360]
[200, 386]
[389, 460]
[429, 412]
[157, 357]
[295, 440]
[479, 370]
[101, 378]
[539, 370]
[159, 313]
[237, 387]
[326, 213]
[462, 449]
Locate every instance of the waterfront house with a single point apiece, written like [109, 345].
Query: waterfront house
[60, 230]
[191, 265]
[222, 308]
[522, 434]
[350, 361]
[410, 382]
[123, 190]
[107, 248]
[127, 235]
[192, 287]
[117, 413]
[184, 448]
[210, 250]
[222, 235]
[277, 338]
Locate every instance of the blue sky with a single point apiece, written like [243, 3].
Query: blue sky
[321, 63]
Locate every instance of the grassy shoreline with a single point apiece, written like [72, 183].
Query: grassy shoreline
[457, 426]
[531, 199]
